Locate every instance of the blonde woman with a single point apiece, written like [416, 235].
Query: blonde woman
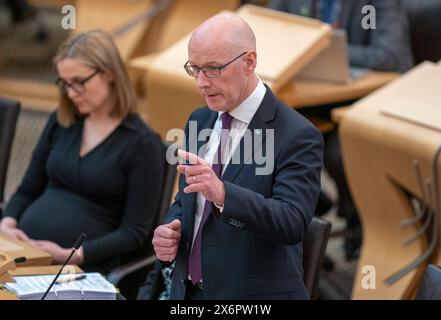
[96, 168]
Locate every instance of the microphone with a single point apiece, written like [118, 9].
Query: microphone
[77, 245]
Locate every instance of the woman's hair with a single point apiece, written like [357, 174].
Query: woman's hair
[97, 50]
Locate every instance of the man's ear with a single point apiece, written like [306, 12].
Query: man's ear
[251, 61]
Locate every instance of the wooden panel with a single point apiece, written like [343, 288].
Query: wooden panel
[300, 93]
[107, 15]
[378, 154]
[171, 95]
[7, 296]
[298, 41]
[184, 18]
[34, 257]
[338, 113]
[428, 112]
[6, 264]
[43, 270]
[31, 94]
[110, 15]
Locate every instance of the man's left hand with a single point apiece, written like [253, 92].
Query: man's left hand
[200, 177]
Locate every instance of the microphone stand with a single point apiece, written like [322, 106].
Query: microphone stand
[74, 249]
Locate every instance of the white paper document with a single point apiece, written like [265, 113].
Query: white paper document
[93, 287]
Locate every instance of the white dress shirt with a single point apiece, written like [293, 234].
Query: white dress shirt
[242, 116]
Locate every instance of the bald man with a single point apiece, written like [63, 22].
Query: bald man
[236, 226]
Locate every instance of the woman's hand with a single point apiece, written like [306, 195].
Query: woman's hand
[9, 226]
[59, 254]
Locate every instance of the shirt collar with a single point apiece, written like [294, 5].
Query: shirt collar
[132, 122]
[246, 110]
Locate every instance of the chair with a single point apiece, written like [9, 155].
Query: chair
[425, 29]
[130, 275]
[9, 110]
[314, 246]
[430, 288]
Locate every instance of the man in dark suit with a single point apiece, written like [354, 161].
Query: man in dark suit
[236, 226]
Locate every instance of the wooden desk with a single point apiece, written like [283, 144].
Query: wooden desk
[379, 154]
[7, 296]
[301, 93]
[338, 113]
[16, 248]
[42, 270]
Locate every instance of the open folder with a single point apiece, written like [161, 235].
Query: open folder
[92, 287]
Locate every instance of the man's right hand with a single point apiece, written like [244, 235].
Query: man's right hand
[8, 225]
[166, 240]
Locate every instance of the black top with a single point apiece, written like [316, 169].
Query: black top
[111, 193]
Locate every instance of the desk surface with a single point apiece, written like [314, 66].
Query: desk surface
[41, 270]
[7, 296]
[301, 93]
[16, 248]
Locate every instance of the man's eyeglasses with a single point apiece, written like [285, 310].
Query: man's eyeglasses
[208, 71]
[77, 85]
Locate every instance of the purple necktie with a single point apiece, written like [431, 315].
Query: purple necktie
[194, 263]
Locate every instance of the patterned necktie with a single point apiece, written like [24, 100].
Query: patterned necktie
[194, 263]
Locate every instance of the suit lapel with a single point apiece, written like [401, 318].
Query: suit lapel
[257, 127]
[189, 200]
[207, 124]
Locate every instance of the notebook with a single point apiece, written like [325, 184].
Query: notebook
[93, 287]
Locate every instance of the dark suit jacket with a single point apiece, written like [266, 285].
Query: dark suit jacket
[253, 250]
[385, 48]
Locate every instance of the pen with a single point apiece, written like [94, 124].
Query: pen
[70, 279]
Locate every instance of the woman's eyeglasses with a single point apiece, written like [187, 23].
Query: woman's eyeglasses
[77, 85]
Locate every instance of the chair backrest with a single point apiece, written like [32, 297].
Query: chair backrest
[167, 187]
[430, 287]
[314, 246]
[9, 111]
[131, 274]
[164, 204]
[424, 18]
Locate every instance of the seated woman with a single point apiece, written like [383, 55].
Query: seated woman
[97, 167]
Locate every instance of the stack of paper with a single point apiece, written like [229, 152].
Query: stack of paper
[93, 287]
